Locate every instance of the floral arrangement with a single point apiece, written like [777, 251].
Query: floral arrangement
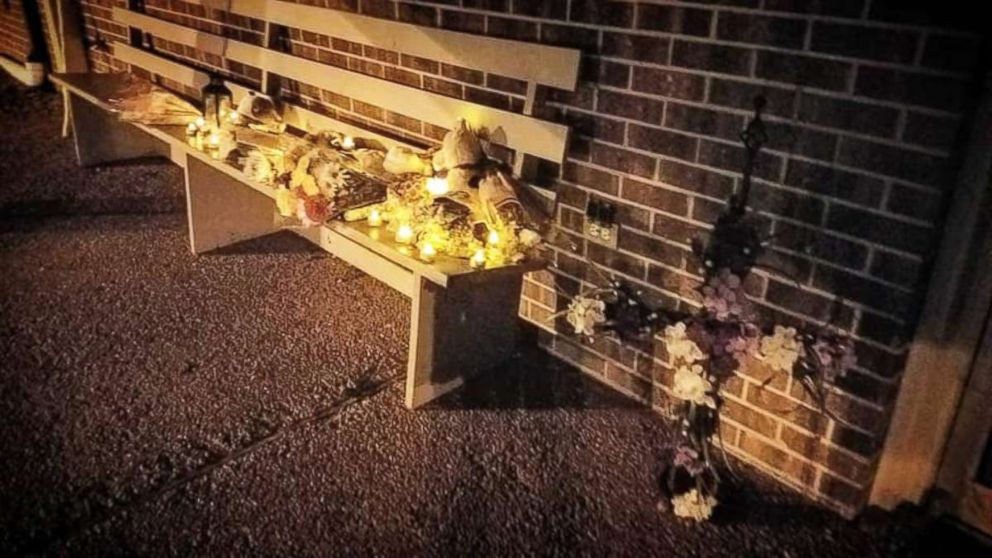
[450, 201]
[706, 347]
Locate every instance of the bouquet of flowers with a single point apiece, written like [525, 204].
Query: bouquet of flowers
[705, 348]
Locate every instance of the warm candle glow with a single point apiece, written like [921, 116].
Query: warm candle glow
[478, 260]
[404, 234]
[437, 186]
[493, 238]
[192, 128]
[427, 252]
[375, 218]
[348, 142]
[214, 139]
[200, 123]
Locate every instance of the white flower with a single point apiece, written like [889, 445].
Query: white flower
[681, 347]
[584, 314]
[528, 238]
[258, 167]
[693, 505]
[781, 349]
[691, 385]
[332, 178]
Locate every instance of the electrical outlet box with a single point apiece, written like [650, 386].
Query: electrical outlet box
[601, 226]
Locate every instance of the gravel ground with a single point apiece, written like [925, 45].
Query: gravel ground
[242, 402]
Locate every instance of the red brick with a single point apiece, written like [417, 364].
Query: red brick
[601, 12]
[397, 75]
[630, 106]
[886, 45]
[723, 59]
[628, 265]
[674, 19]
[569, 36]
[760, 29]
[576, 354]
[741, 94]
[750, 418]
[463, 21]
[418, 15]
[939, 92]
[630, 216]
[650, 248]
[596, 127]
[786, 409]
[636, 47]
[605, 72]
[444, 87]
[590, 177]
[623, 160]
[765, 452]
[842, 492]
[516, 29]
[655, 196]
[486, 97]
[661, 141]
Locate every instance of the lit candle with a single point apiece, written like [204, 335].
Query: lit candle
[493, 238]
[478, 260]
[192, 129]
[375, 218]
[214, 140]
[437, 186]
[427, 252]
[200, 123]
[404, 234]
[348, 143]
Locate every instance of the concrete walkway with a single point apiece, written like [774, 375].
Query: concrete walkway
[156, 403]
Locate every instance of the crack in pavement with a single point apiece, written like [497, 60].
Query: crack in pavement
[363, 388]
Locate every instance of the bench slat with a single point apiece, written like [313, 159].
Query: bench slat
[547, 65]
[539, 138]
[297, 117]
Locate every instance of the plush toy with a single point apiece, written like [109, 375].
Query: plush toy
[259, 112]
[460, 148]
[401, 160]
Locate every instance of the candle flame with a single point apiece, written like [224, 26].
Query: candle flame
[437, 186]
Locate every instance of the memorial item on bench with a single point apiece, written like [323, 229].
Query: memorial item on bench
[469, 208]
[157, 107]
[250, 137]
[217, 101]
[325, 182]
[258, 167]
[402, 160]
[258, 112]
[454, 201]
[707, 346]
[459, 148]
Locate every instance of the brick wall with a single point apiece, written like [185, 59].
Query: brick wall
[15, 40]
[865, 102]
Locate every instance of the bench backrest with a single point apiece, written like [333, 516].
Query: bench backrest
[532, 63]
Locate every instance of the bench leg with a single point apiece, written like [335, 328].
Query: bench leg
[223, 211]
[101, 137]
[458, 331]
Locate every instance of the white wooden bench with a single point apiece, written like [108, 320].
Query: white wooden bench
[463, 320]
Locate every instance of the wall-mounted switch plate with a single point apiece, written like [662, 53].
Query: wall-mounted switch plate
[601, 226]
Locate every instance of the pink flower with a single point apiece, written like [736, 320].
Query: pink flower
[724, 297]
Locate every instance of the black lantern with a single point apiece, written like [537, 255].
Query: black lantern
[216, 103]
